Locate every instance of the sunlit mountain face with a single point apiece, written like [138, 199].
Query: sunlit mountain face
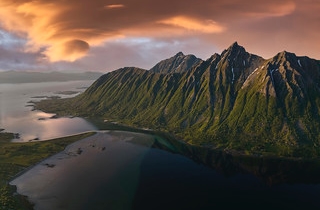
[232, 101]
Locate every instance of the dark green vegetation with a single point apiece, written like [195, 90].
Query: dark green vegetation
[235, 101]
[16, 157]
[26, 77]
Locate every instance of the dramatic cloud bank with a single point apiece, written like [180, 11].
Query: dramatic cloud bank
[71, 33]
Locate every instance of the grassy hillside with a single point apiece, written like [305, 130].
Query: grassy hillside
[233, 101]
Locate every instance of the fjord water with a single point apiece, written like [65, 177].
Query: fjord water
[125, 170]
[16, 116]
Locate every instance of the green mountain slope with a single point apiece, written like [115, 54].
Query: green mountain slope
[235, 101]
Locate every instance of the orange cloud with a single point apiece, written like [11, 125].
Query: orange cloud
[278, 10]
[114, 6]
[65, 30]
[206, 26]
[72, 49]
[38, 20]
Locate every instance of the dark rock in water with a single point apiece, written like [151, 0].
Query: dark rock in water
[50, 165]
[35, 139]
[79, 151]
[54, 117]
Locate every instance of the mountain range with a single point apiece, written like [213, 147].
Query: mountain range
[235, 101]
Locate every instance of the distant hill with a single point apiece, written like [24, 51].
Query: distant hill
[235, 101]
[29, 77]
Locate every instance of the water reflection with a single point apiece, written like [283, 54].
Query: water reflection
[218, 180]
[271, 170]
[125, 170]
[16, 115]
[104, 175]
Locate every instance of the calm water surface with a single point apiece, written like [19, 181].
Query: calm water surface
[124, 170]
[16, 116]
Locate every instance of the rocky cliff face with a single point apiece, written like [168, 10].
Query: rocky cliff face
[235, 101]
[176, 64]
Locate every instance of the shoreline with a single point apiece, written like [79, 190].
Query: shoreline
[175, 139]
[225, 164]
[118, 124]
[194, 153]
[48, 140]
[24, 171]
[32, 153]
[70, 158]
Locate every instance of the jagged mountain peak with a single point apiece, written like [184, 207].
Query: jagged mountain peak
[237, 56]
[235, 45]
[177, 63]
[285, 55]
[290, 61]
[234, 49]
[238, 63]
[179, 54]
[291, 70]
[213, 58]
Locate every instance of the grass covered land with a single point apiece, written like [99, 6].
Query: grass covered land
[16, 157]
[235, 101]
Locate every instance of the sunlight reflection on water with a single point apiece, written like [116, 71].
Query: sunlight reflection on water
[16, 115]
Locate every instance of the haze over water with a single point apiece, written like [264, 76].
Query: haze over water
[16, 116]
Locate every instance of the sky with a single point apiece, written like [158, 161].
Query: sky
[104, 35]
